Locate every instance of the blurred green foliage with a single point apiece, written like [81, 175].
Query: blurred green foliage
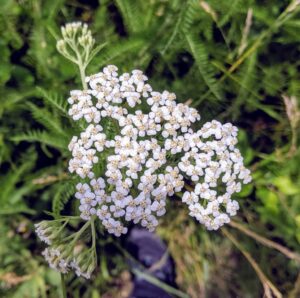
[232, 60]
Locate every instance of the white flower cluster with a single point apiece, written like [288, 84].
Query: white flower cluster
[74, 33]
[154, 153]
[65, 255]
[55, 260]
[61, 261]
[44, 232]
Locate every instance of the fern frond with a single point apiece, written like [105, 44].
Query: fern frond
[178, 26]
[44, 117]
[11, 98]
[131, 15]
[190, 12]
[55, 100]
[9, 181]
[117, 50]
[52, 8]
[233, 7]
[42, 137]
[200, 55]
[248, 76]
[16, 209]
[39, 54]
[63, 194]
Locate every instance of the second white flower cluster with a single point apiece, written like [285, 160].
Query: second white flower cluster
[153, 153]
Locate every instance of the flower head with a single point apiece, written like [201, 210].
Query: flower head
[139, 133]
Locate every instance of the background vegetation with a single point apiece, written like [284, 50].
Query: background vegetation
[235, 61]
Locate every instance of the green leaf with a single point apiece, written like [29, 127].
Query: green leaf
[42, 137]
[47, 119]
[64, 192]
[200, 54]
[131, 14]
[95, 51]
[55, 100]
[15, 175]
[114, 51]
[270, 200]
[16, 209]
[285, 185]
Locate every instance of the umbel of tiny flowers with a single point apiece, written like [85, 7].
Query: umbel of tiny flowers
[77, 45]
[138, 148]
[149, 153]
[65, 251]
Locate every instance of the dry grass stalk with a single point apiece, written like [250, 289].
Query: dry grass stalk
[269, 288]
[246, 31]
[269, 243]
[11, 279]
[49, 179]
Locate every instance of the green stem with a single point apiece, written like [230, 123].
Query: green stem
[157, 282]
[69, 218]
[63, 286]
[82, 67]
[128, 255]
[79, 233]
[82, 75]
[93, 236]
[74, 237]
[79, 61]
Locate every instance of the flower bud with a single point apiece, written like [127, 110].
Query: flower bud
[61, 46]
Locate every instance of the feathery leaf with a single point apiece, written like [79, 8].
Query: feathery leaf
[55, 100]
[201, 56]
[42, 137]
[63, 194]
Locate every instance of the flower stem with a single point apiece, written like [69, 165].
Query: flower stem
[63, 286]
[81, 67]
[82, 76]
[93, 236]
[79, 233]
